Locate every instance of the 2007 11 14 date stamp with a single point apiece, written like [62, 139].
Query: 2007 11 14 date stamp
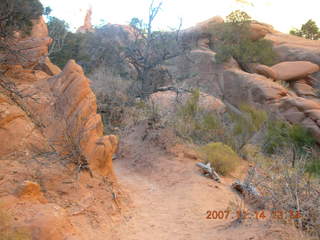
[259, 215]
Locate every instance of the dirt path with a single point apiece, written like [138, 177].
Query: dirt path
[171, 205]
[170, 199]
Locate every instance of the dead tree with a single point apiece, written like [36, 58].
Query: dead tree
[150, 49]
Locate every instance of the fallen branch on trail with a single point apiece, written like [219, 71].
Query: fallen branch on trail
[250, 193]
[209, 171]
[245, 188]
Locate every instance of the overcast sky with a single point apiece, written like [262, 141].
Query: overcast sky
[282, 14]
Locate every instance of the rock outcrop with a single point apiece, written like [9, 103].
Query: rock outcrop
[292, 48]
[87, 25]
[45, 111]
[258, 90]
[27, 51]
[49, 97]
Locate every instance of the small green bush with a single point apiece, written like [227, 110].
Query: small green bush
[247, 124]
[313, 167]
[281, 135]
[198, 125]
[191, 107]
[222, 158]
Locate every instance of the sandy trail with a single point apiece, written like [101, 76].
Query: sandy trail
[170, 199]
[173, 204]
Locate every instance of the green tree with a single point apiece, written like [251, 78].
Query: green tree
[17, 15]
[308, 30]
[71, 49]
[233, 39]
[238, 17]
[58, 30]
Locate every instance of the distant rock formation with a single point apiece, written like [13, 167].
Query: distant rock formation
[87, 25]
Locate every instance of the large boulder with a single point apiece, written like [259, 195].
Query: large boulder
[241, 87]
[293, 48]
[294, 70]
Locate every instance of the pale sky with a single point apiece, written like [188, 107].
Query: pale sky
[282, 14]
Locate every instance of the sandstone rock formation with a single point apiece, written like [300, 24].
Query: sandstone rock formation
[87, 25]
[256, 89]
[48, 116]
[298, 59]
[260, 30]
[292, 48]
[294, 70]
[287, 71]
[39, 221]
[27, 51]
[50, 97]
[199, 69]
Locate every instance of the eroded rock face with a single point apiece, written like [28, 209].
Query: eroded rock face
[242, 87]
[31, 48]
[18, 133]
[45, 111]
[303, 88]
[256, 89]
[39, 102]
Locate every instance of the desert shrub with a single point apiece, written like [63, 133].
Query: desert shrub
[238, 16]
[116, 100]
[17, 15]
[281, 135]
[221, 157]
[233, 39]
[198, 125]
[247, 124]
[313, 167]
[286, 188]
